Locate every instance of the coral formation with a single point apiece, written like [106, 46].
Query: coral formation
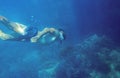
[95, 57]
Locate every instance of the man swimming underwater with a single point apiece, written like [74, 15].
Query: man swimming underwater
[31, 34]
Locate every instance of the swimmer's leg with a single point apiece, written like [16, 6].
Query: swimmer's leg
[17, 27]
[4, 36]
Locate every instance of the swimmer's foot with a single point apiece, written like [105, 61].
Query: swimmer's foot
[1, 34]
[4, 36]
[3, 19]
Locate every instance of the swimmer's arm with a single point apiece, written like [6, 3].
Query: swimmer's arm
[41, 33]
[47, 30]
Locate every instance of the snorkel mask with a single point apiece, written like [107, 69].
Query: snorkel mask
[61, 34]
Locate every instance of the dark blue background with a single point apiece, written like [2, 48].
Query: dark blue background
[99, 16]
[79, 18]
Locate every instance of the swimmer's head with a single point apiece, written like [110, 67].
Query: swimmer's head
[62, 35]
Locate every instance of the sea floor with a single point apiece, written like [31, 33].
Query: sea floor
[94, 57]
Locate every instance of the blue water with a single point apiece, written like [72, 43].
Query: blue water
[84, 53]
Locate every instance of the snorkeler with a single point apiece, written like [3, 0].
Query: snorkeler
[31, 34]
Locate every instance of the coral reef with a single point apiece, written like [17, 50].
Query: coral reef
[95, 57]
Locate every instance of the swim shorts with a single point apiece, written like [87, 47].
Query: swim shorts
[30, 32]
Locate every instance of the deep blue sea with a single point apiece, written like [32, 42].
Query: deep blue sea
[91, 48]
